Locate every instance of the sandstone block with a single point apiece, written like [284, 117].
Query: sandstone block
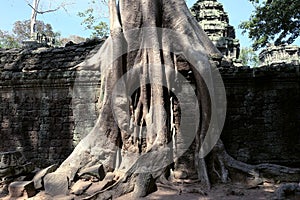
[96, 171]
[38, 178]
[56, 184]
[21, 188]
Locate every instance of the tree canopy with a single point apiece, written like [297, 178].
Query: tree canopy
[249, 57]
[275, 21]
[21, 29]
[21, 32]
[91, 21]
[8, 40]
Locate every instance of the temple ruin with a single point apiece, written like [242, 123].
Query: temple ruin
[278, 55]
[215, 22]
[47, 107]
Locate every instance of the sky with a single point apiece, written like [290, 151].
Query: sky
[68, 23]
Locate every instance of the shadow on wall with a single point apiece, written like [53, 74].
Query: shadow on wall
[37, 121]
[36, 87]
[263, 114]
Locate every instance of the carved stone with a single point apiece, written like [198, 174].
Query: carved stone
[215, 22]
[13, 163]
[278, 55]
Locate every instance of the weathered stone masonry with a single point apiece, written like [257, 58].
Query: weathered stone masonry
[263, 114]
[46, 107]
[36, 101]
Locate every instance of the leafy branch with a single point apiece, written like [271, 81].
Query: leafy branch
[275, 21]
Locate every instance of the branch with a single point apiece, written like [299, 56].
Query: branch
[46, 11]
[50, 10]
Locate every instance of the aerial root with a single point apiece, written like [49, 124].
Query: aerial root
[257, 173]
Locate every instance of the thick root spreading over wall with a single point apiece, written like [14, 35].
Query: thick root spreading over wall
[140, 134]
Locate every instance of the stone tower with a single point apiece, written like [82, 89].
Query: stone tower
[214, 20]
[278, 55]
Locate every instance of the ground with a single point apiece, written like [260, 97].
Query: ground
[218, 192]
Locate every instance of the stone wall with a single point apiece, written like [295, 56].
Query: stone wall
[36, 100]
[263, 114]
[46, 107]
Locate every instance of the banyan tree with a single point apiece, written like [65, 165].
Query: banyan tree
[150, 128]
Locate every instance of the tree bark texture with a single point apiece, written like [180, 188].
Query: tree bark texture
[35, 4]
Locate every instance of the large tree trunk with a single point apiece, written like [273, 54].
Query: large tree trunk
[35, 5]
[139, 134]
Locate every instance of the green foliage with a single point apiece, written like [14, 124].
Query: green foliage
[91, 22]
[249, 57]
[21, 30]
[8, 40]
[100, 30]
[275, 21]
